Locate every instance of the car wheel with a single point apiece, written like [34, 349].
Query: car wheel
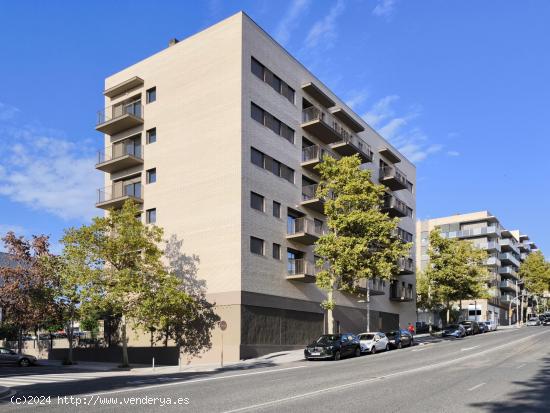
[399, 345]
[336, 355]
[24, 362]
[387, 347]
[373, 350]
[358, 352]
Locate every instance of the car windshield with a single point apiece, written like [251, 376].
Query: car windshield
[453, 327]
[533, 319]
[391, 334]
[466, 323]
[366, 336]
[329, 338]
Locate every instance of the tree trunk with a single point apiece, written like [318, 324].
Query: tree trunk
[70, 338]
[20, 340]
[330, 317]
[124, 343]
[448, 313]
[368, 306]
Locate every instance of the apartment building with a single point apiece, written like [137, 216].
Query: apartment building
[506, 250]
[216, 137]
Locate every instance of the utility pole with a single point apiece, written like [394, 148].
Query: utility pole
[517, 304]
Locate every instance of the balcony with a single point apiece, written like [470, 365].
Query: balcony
[312, 156]
[492, 261]
[491, 246]
[300, 269]
[376, 286]
[490, 231]
[305, 231]
[508, 285]
[323, 125]
[509, 258]
[114, 196]
[119, 117]
[393, 178]
[401, 294]
[406, 265]
[311, 200]
[507, 298]
[507, 244]
[394, 206]
[118, 157]
[352, 145]
[124, 87]
[508, 271]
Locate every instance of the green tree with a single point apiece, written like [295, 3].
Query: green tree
[535, 271]
[360, 243]
[457, 271]
[126, 276]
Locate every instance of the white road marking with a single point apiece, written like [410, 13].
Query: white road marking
[468, 348]
[400, 373]
[521, 365]
[420, 349]
[477, 387]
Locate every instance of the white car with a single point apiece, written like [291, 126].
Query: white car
[373, 342]
[533, 321]
[491, 324]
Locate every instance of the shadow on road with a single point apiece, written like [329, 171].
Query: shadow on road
[113, 383]
[532, 396]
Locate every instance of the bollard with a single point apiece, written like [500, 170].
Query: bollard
[153, 364]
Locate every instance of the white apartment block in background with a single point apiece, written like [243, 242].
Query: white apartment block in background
[216, 138]
[506, 251]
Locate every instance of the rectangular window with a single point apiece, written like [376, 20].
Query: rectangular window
[257, 158]
[257, 113]
[287, 173]
[151, 216]
[152, 135]
[276, 251]
[151, 95]
[151, 175]
[256, 201]
[276, 167]
[257, 68]
[287, 133]
[276, 209]
[256, 246]
[288, 93]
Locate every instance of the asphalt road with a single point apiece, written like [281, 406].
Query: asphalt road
[505, 371]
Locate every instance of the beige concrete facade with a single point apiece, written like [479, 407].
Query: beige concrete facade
[506, 250]
[205, 90]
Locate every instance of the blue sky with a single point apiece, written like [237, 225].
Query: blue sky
[461, 87]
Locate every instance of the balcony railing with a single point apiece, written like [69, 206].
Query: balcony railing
[508, 270]
[301, 266]
[508, 256]
[507, 284]
[492, 245]
[115, 195]
[313, 153]
[395, 206]
[305, 225]
[474, 232]
[113, 112]
[507, 297]
[509, 243]
[393, 178]
[492, 261]
[399, 293]
[339, 132]
[114, 152]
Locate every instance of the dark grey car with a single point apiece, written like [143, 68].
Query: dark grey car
[8, 356]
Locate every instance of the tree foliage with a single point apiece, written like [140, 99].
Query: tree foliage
[361, 241]
[457, 271]
[535, 271]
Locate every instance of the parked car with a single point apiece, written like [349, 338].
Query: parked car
[333, 346]
[454, 330]
[399, 339]
[8, 356]
[472, 327]
[373, 342]
[533, 321]
[546, 321]
[483, 327]
[491, 325]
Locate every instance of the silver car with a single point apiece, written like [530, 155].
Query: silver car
[533, 321]
[8, 356]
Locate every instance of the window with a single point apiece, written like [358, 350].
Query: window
[152, 135]
[276, 209]
[257, 201]
[257, 158]
[132, 189]
[151, 95]
[276, 251]
[256, 246]
[257, 68]
[257, 113]
[266, 119]
[151, 216]
[267, 76]
[277, 168]
[152, 176]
